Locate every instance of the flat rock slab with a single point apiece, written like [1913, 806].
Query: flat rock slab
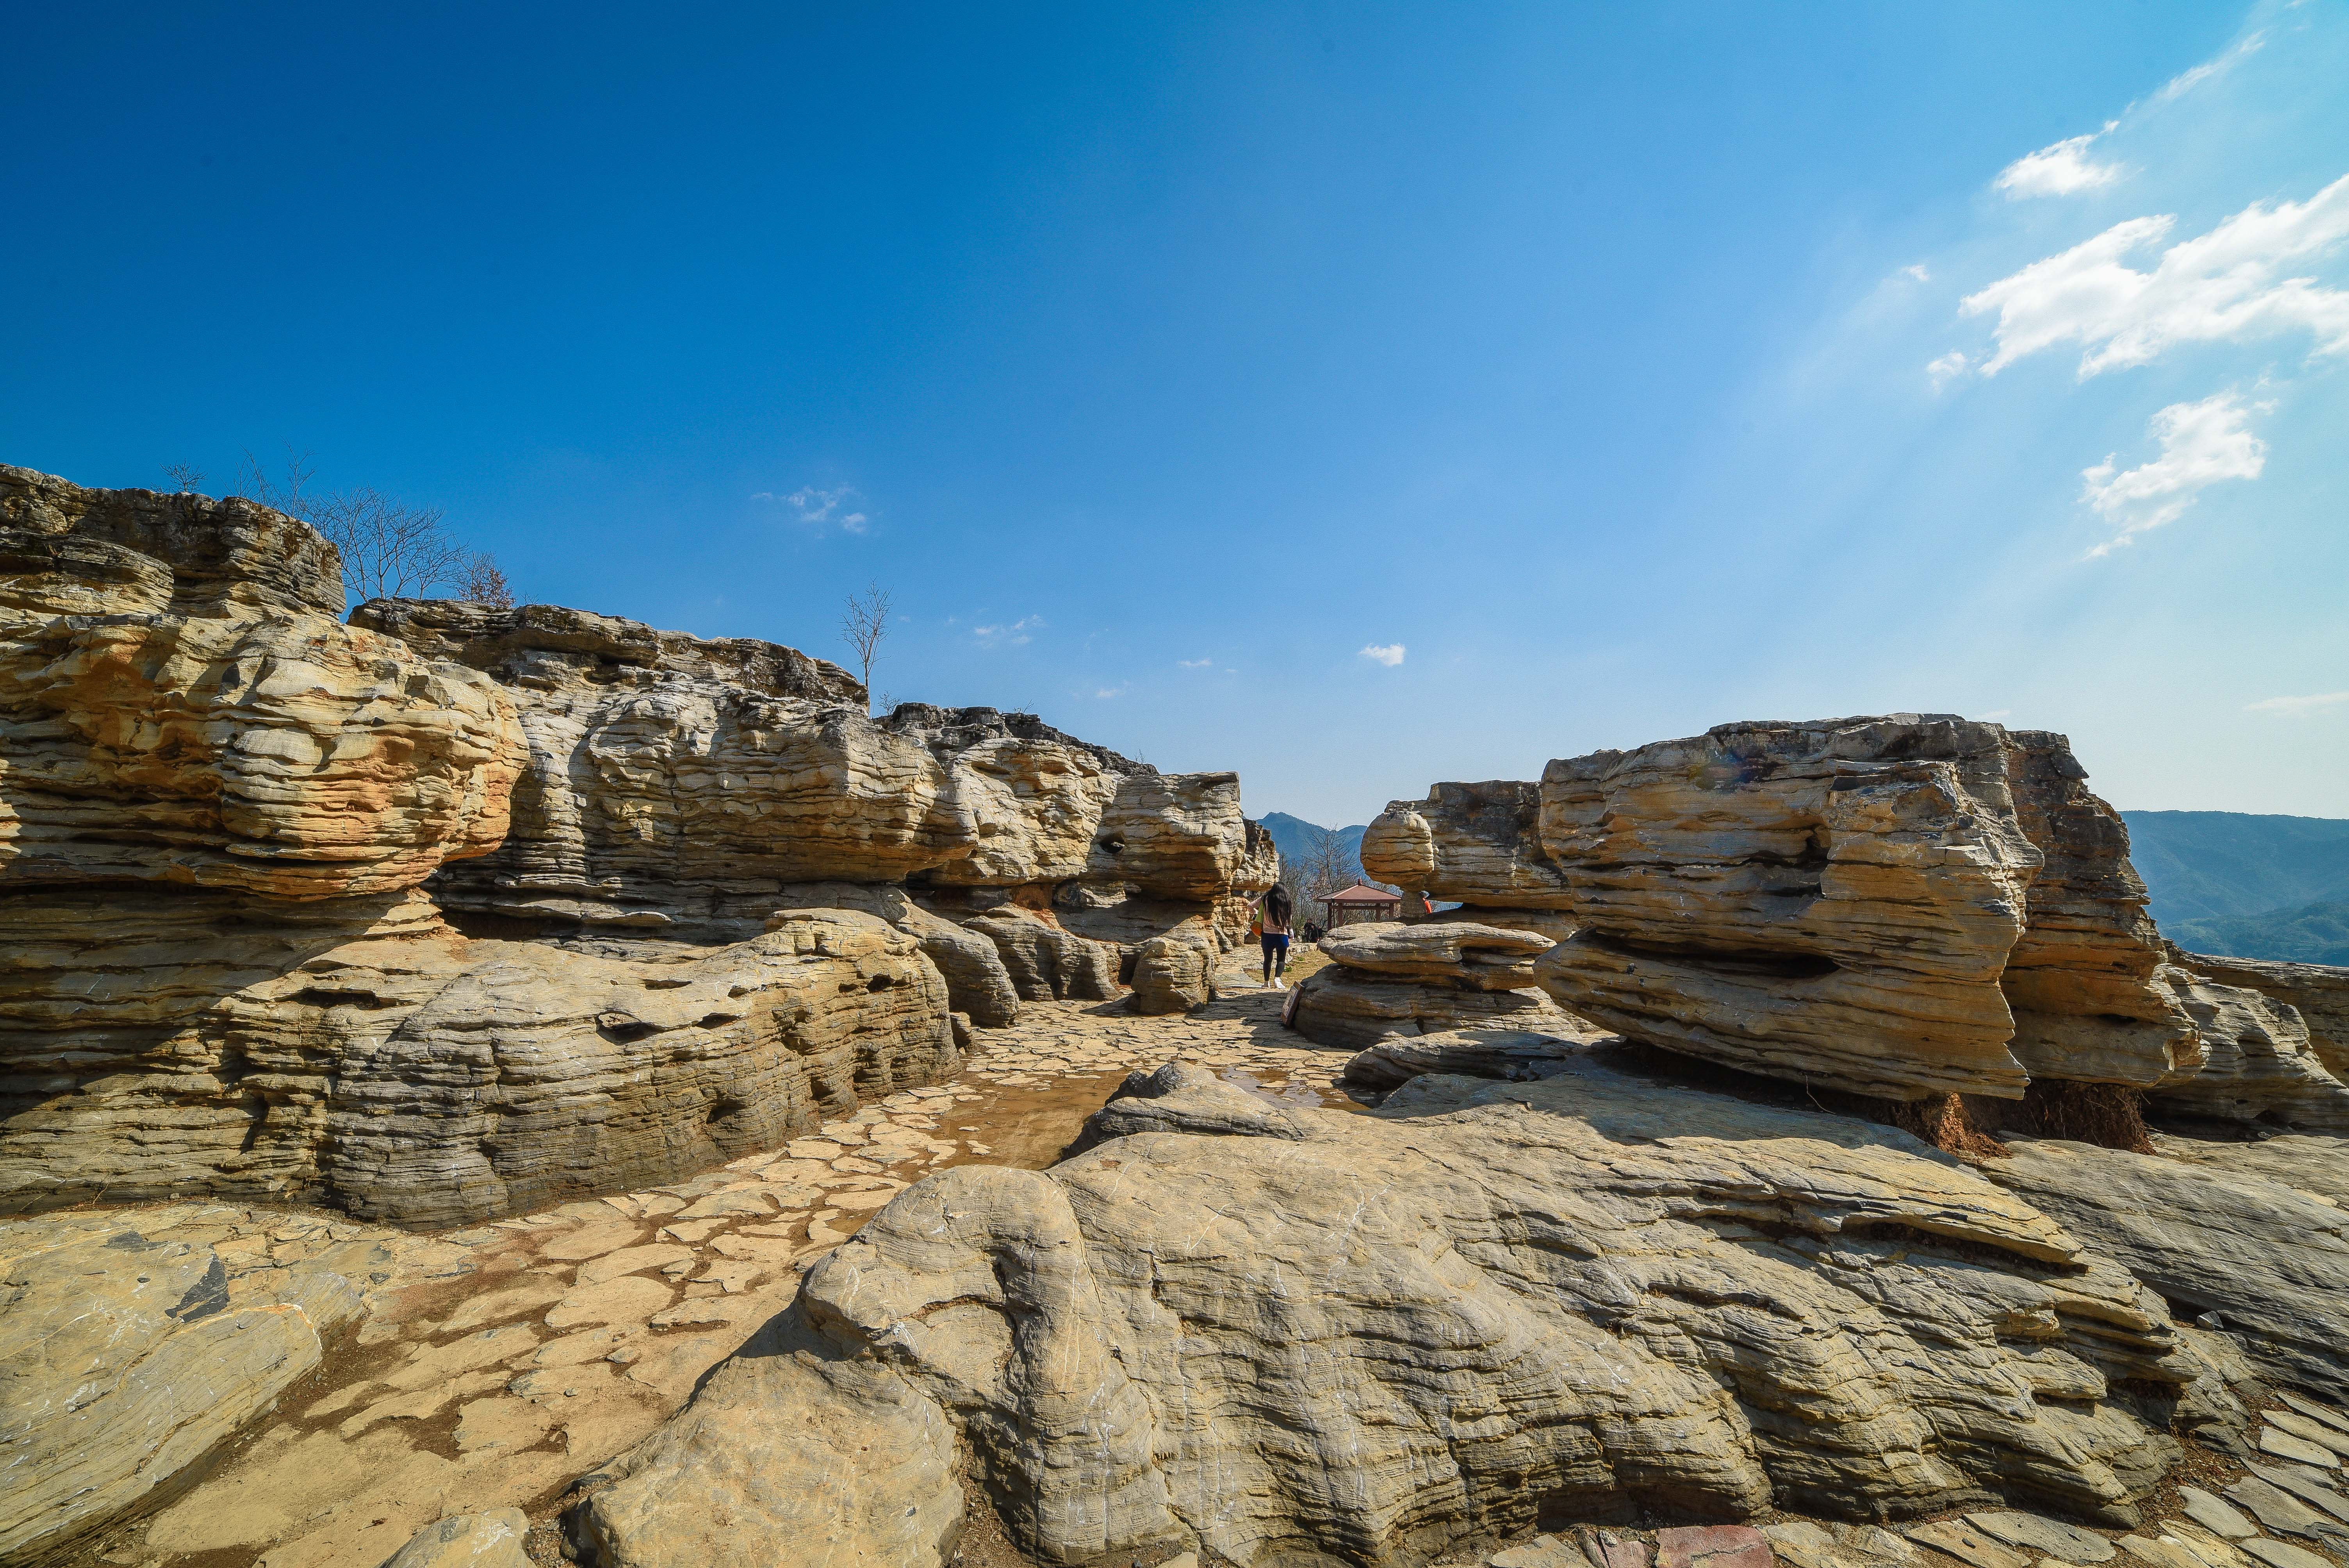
[631, 1298]
[2324, 1437]
[2285, 1446]
[1541, 1551]
[2213, 1514]
[1716, 1546]
[1606, 1549]
[2316, 1411]
[1968, 1544]
[2283, 1555]
[2155, 1552]
[2305, 1488]
[2048, 1537]
[2277, 1510]
[491, 1539]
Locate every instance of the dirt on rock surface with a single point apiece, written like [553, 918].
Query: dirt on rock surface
[499, 1362]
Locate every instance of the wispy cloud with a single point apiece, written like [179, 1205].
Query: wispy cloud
[1946, 369]
[2201, 444]
[1011, 634]
[1920, 273]
[1387, 653]
[1192, 663]
[818, 507]
[2185, 82]
[2297, 707]
[1105, 693]
[2222, 285]
[2062, 169]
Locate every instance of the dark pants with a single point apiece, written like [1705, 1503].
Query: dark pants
[1275, 952]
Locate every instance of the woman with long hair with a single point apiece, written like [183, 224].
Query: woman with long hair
[1272, 927]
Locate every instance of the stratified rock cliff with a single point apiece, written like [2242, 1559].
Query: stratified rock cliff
[701, 900]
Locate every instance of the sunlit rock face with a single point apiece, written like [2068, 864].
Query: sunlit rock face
[1901, 906]
[1482, 1306]
[1476, 844]
[182, 704]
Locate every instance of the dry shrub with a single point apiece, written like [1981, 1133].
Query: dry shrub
[1941, 1119]
[2108, 1115]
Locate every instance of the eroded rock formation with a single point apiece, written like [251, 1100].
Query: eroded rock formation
[2319, 992]
[1477, 844]
[1861, 902]
[1262, 1331]
[1395, 979]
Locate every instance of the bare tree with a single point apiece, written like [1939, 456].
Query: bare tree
[186, 476]
[480, 579]
[863, 625]
[390, 549]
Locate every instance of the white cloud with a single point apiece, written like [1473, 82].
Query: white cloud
[1922, 273]
[1388, 654]
[2293, 707]
[2185, 82]
[2201, 444]
[1010, 636]
[817, 507]
[1192, 663]
[1947, 368]
[2220, 285]
[1107, 692]
[2063, 170]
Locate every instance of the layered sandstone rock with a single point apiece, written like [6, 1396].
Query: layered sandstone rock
[1391, 979]
[129, 1364]
[978, 984]
[682, 787]
[181, 704]
[2260, 1065]
[1861, 902]
[2319, 992]
[1614, 1295]
[2221, 1236]
[1479, 844]
[1175, 972]
[361, 1053]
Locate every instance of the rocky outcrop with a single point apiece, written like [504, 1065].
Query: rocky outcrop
[1479, 844]
[2320, 992]
[679, 785]
[129, 1364]
[1513, 1055]
[1175, 972]
[2260, 1066]
[183, 706]
[491, 1539]
[978, 984]
[1860, 901]
[1608, 1295]
[2267, 1263]
[1392, 979]
[363, 1054]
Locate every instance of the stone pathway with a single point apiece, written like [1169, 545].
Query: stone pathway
[500, 1362]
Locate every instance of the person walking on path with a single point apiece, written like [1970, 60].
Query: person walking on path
[1272, 917]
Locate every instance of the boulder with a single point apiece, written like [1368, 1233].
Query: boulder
[977, 982]
[1181, 836]
[1346, 1008]
[2320, 992]
[130, 1364]
[183, 706]
[1484, 1305]
[490, 1539]
[1851, 902]
[1513, 1056]
[1477, 843]
[361, 1053]
[1458, 954]
[2267, 1263]
[2260, 1066]
[1175, 972]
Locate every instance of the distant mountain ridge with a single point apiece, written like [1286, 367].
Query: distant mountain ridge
[2206, 865]
[1293, 836]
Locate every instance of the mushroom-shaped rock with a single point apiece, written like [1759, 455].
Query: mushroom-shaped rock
[1456, 953]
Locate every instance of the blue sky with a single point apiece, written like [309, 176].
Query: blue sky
[1354, 396]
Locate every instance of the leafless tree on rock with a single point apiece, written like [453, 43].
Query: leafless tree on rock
[390, 549]
[863, 625]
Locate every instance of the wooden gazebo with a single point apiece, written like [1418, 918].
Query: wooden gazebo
[1358, 903]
